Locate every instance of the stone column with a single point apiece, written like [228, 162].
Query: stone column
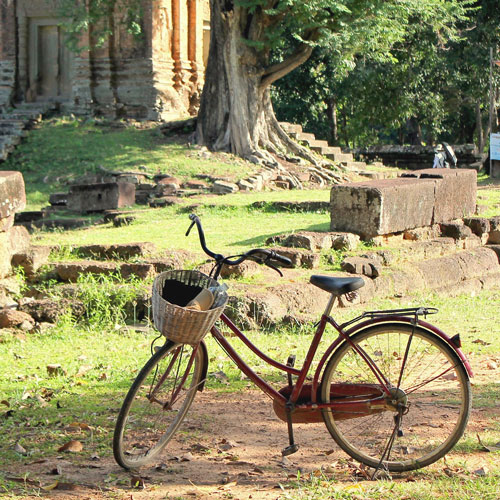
[7, 51]
[195, 44]
[176, 43]
[12, 200]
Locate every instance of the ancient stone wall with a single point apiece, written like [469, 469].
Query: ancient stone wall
[12, 200]
[7, 51]
[415, 157]
[156, 76]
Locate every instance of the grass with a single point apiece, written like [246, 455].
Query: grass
[100, 356]
[64, 149]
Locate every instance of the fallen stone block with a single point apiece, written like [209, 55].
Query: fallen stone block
[361, 265]
[19, 238]
[165, 201]
[29, 216]
[470, 242]
[456, 231]
[478, 262]
[478, 225]
[345, 241]
[58, 199]
[32, 259]
[423, 233]
[10, 318]
[308, 240]
[223, 187]
[456, 191]
[117, 251]
[440, 272]
[420, 199]
[381, 207]
[495, 223]
[85, 198]
[123, 220]
[299, 258]
[167, 179]
[12, 193]
[247, 268]
[494, 237]
[50, 310]
[70, 271]
[452, 269]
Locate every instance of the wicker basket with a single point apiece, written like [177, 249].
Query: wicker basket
[185, 326]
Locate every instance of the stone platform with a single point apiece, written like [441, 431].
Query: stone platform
[421, 198]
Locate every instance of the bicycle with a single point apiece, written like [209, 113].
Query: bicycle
[392, 389]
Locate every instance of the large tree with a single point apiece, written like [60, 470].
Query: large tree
[236, 112]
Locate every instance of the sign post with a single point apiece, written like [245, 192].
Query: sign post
[495, 146]
[495, 155]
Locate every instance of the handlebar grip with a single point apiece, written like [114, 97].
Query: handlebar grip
[267, 256]
[282, 260]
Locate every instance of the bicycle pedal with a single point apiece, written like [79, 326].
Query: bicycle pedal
[291, 361]
[289, 450]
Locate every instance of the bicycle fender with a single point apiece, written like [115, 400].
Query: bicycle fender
[391, 320]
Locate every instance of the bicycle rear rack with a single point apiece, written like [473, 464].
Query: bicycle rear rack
[411, 312]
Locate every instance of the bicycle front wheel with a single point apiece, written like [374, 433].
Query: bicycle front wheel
[429, 405]
[157, 402]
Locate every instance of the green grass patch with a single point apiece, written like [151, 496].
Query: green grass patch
[62, 150]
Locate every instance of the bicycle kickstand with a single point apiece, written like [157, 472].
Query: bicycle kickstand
[292, 447]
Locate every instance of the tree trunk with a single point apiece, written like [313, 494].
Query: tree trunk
[331, 112]
[414, 131]
[236, 113]
[479, 127]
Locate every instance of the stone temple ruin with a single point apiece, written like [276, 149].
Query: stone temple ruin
[159, 76]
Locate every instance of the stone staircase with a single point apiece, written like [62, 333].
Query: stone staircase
[15, 122]
[321, 147]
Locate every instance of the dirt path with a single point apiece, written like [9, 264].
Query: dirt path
[229, 447]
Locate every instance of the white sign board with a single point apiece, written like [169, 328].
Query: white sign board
[495, 146]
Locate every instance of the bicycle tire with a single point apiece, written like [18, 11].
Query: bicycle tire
[148, 419]
[436, 386]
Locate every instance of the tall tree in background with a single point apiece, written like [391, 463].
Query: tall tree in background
[236, 113]
[432, 90]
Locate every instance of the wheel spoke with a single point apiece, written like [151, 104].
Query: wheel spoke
[157, 403]
[430, 388]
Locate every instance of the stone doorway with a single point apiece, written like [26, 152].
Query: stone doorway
[50, 62]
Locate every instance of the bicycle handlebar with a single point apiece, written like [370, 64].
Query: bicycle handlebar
[260, 255]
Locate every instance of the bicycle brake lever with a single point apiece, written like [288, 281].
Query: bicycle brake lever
[190, 227]
[275, 268]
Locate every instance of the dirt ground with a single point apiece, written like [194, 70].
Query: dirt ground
[229, 447]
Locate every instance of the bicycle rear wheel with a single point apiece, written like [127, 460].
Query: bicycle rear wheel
[433, 387]
[157, 402]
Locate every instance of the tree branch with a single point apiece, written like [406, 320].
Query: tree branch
[300, 56]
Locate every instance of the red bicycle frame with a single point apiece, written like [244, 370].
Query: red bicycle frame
[374, 395]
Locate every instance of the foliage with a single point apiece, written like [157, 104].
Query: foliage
[430, 87]
[106, 298]
[98, 18]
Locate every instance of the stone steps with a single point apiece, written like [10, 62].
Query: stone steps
[321, 147]
[15, 122]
